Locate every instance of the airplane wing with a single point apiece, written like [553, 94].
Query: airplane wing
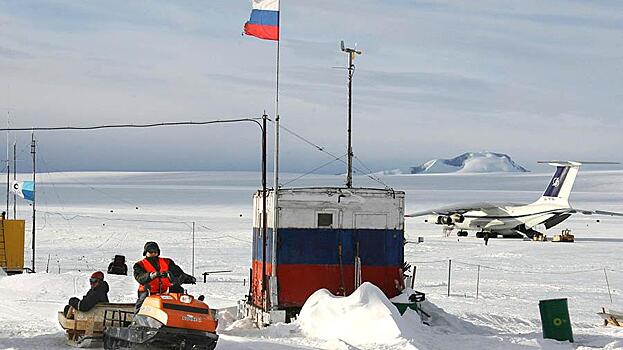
[420, 213]
[596, 212]
[454, 209]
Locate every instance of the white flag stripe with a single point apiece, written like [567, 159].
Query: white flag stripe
[16, 188]
[267, 5]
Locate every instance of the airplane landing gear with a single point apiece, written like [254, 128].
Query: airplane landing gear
[485, 234]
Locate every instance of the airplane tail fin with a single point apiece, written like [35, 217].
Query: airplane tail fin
[560, 186]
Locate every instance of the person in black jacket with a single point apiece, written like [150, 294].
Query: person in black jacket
[97, 294]
[157, 275]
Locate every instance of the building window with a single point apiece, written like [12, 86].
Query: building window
[325, 219]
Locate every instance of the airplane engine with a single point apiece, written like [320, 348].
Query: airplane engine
[457, 218]
[444, 220]
[450, 219]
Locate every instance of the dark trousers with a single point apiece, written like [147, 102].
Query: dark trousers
[141, 298]
[73, 302]
[66, 310]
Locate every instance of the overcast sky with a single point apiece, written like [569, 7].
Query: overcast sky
[534, 79]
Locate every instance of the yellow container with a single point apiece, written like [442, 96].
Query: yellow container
[12, 245]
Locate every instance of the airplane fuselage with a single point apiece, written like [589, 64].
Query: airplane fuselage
[505, 219]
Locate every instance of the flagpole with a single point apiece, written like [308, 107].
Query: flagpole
[8, 166]
[33, 151]
[276, 160]
[275, 208]
[14, 178]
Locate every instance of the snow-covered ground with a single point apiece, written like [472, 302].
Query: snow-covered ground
[84, 219]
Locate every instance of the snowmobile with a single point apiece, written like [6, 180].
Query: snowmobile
[169, 320]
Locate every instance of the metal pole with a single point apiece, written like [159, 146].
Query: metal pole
[449, 274]
[33, 151]
[193, 258]
[275, 208]
[357, 267]
[413, 279]
[8, 180]
[275, 211]
[8, 170]
[478, 282]
[608, 284]
[264, 218]
[349, 178]
[14, 179]
[351, 70]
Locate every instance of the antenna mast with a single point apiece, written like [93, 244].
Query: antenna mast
[33, 151]
[351, 71]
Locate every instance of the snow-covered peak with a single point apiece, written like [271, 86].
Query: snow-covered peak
[471, 162]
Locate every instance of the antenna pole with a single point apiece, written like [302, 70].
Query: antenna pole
[351, 71]
[33, 151]
[14, 179]
[8, 180]
[349, 178]
[193, 256]
[8, 169]
[264, 218]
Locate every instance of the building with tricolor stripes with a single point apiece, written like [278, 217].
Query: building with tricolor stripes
[327, 237]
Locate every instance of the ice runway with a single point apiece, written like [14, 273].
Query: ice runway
[84, 219]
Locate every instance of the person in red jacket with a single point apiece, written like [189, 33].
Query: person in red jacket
[157, 275]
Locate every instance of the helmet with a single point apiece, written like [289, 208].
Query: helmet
[96, 276]
[151, 246]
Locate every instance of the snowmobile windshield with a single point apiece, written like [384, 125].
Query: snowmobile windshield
[146, 321]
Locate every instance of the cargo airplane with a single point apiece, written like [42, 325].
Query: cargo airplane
[510, 220]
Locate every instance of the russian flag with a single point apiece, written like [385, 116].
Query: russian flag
[264, 21]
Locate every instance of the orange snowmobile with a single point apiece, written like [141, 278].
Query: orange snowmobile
[165, 321]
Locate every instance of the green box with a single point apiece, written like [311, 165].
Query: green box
[555, 319]
[402, 307]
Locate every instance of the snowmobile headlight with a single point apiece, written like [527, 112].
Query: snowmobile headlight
[186, 299]
[146, 321]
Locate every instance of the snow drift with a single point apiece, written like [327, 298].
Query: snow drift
[365, 317]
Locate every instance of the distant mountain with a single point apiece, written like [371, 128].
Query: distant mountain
[472, 162]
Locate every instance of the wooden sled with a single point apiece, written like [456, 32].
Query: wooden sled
[85, 328]
[612, 317]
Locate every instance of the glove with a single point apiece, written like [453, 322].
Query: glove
[153, 275]
[192, 280]
[165, 274]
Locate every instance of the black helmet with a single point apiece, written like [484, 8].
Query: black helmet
[151, 246]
